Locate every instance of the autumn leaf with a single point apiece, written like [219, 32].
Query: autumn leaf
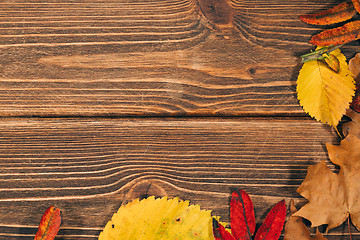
[353, 126]
[273, 223]
[332, 61]
[242, 216]
[333, 197]
[220, 233]
[340, 35]
[354, 67]
[342, 12]
[323, 93]
[356, 5]
[160, 218]
[49, 224]
[242, 220]
[295, 229]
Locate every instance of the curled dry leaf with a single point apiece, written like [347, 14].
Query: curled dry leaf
[333, 197]
[49, 224]
[295, 229]
[354, 66]
[353, 126]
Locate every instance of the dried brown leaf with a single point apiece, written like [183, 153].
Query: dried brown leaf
[334, 196]
[295, 229]
[353, 126]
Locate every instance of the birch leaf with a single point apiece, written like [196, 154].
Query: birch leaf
[324, 94]
[159, 219]
[333, 197]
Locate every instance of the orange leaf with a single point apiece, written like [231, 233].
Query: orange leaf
[342, 12]
[356, 5]
[49, 224]
[341, 35]
[332, 61]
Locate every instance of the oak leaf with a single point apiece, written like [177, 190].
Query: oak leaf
[49, 224]
[323, 93]
[161, 218]
[295, 229]
[333, 197]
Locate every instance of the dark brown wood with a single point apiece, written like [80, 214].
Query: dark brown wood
[89, 167]
[153, 58]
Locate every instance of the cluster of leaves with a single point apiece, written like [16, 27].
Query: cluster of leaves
[340, 13]
[325, 85]
[242, 218]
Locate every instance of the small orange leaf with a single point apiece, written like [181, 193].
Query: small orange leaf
[341, 35]
[356, 5]
[49, 224]
[342, 12]
[332, 61]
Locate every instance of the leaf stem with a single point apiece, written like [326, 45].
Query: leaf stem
[318, 54]
[349, 228]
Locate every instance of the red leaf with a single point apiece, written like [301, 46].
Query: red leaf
[220, 232]
[356, 5]
[341, 35]
[49, 224]
[273, 224]
[342, 12]
[355, 104]
[242, 215]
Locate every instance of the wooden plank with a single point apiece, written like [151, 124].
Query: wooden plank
[88, 167]
[153, 58]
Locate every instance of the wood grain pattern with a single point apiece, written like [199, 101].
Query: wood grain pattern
[153, 58]
[89, 167]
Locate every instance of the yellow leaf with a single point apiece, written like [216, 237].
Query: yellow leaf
[323, 93]
[160, 219]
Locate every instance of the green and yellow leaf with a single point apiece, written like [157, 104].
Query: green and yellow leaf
[323, 93]
[160, 219]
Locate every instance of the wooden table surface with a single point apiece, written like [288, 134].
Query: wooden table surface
[104, 101]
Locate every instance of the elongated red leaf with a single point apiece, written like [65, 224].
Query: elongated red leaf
[342, 12]
[341, 35]
[49, 224]
[273, 223]
[356, 5]
[220, 232]
[242, 215]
